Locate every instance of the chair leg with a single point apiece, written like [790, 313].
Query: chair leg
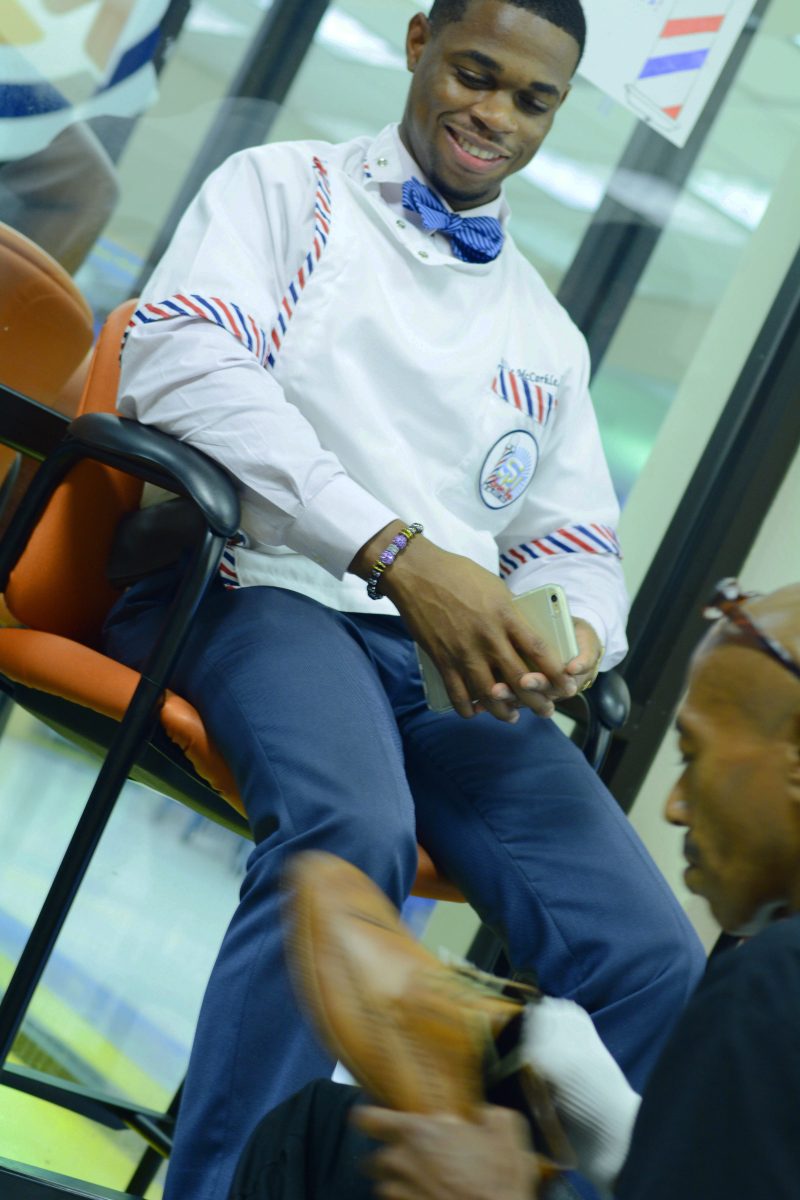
[145, 1172]
[132, 734]
[148, 1165]
[487, 954]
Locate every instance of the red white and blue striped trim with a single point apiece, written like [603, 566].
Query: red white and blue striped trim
[572, 539]
[531, 398]
[227, 569]
[323, 214]
[228, 315]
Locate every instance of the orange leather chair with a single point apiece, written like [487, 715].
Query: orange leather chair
[58, 594]
[46, 326]
[46, 334]
[53, 577]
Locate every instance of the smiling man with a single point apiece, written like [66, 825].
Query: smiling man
[352, 332]
[486, 89]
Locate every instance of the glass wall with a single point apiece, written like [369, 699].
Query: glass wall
[354, 81]
[118, 1004]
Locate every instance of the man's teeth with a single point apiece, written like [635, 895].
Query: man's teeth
[475, 151]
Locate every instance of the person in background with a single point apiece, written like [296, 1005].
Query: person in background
[351, 331]
[60, 66]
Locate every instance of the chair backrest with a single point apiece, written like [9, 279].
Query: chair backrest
[46, 326]
[59, 584]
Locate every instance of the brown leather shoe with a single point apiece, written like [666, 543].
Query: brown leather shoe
[419, 1035]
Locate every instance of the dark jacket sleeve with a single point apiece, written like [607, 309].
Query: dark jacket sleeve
[720, 1116]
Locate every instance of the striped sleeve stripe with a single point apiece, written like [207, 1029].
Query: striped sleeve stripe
[177, 310]
[159, 313]
[227, 569]
[243, 325]
[571, 539]
[212, 314]
[230, 322]
[228, 315]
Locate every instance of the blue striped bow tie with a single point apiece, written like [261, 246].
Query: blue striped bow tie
[473, 239]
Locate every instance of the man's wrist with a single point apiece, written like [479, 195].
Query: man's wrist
[365, 558]
[387, 557]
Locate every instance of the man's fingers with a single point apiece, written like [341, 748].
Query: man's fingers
[582, 665]
[541, 693]
[475, 691]
[501, 702]
[534, 681]
[459, 693]
[538, 655]
[386, 1125]
[542, 672]
[586, 663]
[468, 702]
[380, 1123]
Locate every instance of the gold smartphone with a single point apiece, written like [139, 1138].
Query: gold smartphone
[545, 609]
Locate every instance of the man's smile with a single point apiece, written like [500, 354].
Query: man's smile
[473, 152]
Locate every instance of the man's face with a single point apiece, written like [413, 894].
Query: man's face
[483, 97]
[738, 794]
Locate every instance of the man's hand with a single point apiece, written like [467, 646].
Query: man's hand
[586, 664]
[488, 655]
[446, 1158]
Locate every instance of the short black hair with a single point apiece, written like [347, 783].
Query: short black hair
[565, 14]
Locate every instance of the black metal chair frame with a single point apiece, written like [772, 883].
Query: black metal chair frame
[137, 748]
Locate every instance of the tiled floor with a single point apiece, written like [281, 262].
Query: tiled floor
[119, 1000]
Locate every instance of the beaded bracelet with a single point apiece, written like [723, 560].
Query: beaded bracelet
[385, 560]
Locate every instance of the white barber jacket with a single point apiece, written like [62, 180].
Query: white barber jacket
[310, 335]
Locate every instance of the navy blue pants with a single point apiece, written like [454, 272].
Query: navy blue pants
[321, 717]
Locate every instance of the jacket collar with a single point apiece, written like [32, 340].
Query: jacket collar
[387, 165]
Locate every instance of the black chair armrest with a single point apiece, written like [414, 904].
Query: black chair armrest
[162, 460]
[599, 711]
[609, 700]
[138, 450]
[27, 426]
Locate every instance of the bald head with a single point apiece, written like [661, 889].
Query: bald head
[739, 794]
[755, 682]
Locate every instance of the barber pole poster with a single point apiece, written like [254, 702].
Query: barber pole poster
[661, 58]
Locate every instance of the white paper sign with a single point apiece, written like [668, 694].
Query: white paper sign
[661, 58]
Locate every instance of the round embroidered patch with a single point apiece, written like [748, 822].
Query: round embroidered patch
[508, 468]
